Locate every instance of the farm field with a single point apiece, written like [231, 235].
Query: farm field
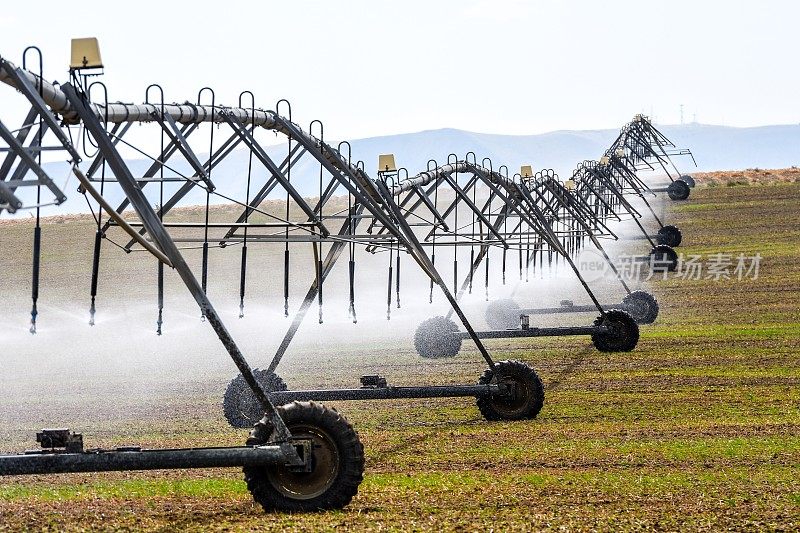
[698, 428]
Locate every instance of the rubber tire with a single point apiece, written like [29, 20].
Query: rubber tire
[349, 459]
[502, 314]
[670, 235]
[689, 180]
[625, 333]
[642, 306]
[434, 340]
[239, 404]
[678, 190]
[662, 252]
[526, 406]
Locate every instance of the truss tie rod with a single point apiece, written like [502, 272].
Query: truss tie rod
[87, 185]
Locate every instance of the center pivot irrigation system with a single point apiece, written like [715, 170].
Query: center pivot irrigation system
[580, 211]
[301, 455]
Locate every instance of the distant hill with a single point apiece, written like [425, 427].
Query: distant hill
[714, 147]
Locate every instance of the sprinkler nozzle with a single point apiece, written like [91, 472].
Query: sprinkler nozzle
[34, 314]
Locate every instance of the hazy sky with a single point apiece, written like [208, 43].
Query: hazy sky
[369, 68]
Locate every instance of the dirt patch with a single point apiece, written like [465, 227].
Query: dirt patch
[750, 176]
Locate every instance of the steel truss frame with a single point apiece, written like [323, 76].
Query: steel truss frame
[400, 214]
[107, 125]
[642, 146]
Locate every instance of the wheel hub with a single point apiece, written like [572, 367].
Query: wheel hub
[323, 469]
[515, 397]
[521, 393]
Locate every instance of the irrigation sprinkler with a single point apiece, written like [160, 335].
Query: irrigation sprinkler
[644, 147]
[402, 197]
[639, 146]
[601, 188]
[511, 219]
[566, 217]
[282, 467]
[576, 221]
[606, 188]
[626, 181]
[301, 455]
[439, 337]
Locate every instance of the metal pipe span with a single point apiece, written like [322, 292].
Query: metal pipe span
[186, 113]
[118, 112]
[428, 176]
[388, 393]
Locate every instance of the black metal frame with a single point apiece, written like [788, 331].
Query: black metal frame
[106, 126]
[540, 212]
